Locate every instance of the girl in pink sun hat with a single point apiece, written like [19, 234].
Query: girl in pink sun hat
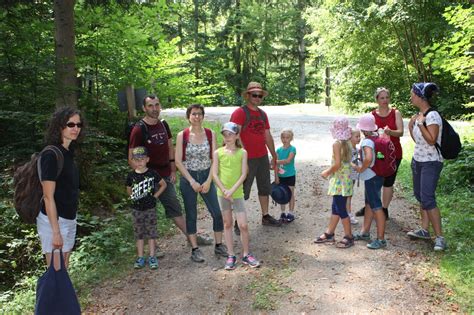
[373, 185]
[340, 184]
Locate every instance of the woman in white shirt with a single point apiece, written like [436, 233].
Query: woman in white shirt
[427, 163]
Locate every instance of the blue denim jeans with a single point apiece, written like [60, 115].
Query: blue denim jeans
[373, 191]
[190, 202]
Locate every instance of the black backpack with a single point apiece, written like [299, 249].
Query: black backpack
[27, 184]
[450, 141]
[128, 132]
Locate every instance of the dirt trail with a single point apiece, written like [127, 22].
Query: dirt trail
[296, 276]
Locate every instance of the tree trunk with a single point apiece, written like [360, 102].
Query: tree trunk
[301, 52]
[405, 58]
[66, 82]
[196, 37]
[238, 50]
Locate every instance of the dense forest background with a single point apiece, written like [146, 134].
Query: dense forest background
[85, 52]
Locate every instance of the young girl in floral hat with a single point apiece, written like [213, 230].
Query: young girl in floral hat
[340, 183]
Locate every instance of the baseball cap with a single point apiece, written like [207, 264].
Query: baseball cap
[139, 153]
[231, 127]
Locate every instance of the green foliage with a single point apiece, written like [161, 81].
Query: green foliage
[267, 290]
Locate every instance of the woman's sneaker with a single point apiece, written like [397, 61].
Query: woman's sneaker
[440, 244]
[152, 262]
[362, 236]
[230, 263]
[420, 233]
[197, 256]
[251, 261]
[221, 250]
[139, 263]
[377, 244]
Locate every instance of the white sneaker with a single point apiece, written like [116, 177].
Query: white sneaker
[353, 219]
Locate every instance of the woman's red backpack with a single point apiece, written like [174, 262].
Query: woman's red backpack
[385, 162]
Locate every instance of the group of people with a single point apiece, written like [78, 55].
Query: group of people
[223, 175]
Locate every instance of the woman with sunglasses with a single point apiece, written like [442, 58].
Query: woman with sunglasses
[194, 148]
[56, 221]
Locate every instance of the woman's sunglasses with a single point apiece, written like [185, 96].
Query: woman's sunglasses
[257, 95]
[72, 125]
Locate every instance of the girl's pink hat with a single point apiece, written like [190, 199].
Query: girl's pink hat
[367, 123]
[340, 129]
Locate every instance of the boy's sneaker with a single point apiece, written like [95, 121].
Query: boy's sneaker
[221, 250]
[251, 261]
[197, 256]
[290, 217]
[236, 228]
[153, 262]
[377, 244]
[420, 233]
[440, 244]
[353, 219]
[271, 221]
[283, 217]
[230, 263]
[362, 236]
[139, 263]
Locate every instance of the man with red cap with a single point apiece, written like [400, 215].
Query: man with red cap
[256, 138]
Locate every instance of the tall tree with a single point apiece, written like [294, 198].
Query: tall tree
[66, 93]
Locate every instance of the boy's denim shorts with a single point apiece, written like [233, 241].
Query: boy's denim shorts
[373, 190]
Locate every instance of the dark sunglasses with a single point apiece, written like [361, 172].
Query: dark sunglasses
[72, 125]
[257, 95]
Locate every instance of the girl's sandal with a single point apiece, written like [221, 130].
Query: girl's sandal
[324, 238]
[346, 242]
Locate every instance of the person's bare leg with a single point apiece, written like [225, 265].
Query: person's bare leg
[218, 237]
[229, 238]
[151, 246]
[140, 245]
[435, 219]
[333, 221]
[193, 240]
[292, 200]
[346, 224]
[180, 223]
[425, 220]
[244, 232]
[380, 221]
[368, 217]
[387, 195]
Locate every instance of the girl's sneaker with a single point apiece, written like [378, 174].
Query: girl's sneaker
[153, 262]
[139, 263]
[377, 244]
[290, 217]
[230, 263]
[362, 236]
[283, 218]
[251, 261]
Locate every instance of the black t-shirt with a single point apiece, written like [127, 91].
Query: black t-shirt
[66, 194]
[144, 186]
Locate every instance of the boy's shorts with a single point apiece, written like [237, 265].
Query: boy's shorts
[288, 181]
[66, 227]
[237, 205]
[144, 224]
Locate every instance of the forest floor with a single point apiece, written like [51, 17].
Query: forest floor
[296, 275]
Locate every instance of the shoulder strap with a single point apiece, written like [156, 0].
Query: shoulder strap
[165, 127]
[59, 159]
[209, 139]
[185, 142]
[144, 129]
[247, 116]
[431, 109]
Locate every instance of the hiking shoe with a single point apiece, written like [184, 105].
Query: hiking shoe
[221, 250]
[283, 217]
[251, 261]
[290, 217]
[377, 244]
[420, 233]
[230, 263]
[236, 229]
[440, 244]
[353, 219]
[197, 256]
[271, 221]
[204, 240]
[139, 263]
[361, 212]
[152, 262]
[362, 236]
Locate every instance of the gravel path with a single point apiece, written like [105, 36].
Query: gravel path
[296, 276]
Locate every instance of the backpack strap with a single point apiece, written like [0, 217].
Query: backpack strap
[59, 159]
[144, 129]
[431, 109]
[186, 141]
[263, 117]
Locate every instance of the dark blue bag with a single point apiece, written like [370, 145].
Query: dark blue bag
[54, 291]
